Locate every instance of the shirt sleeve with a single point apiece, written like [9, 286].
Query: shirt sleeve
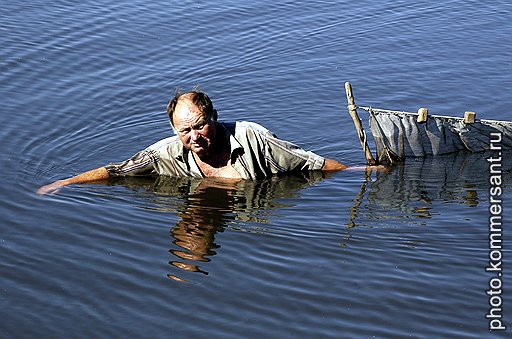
[142, 163]
[269, 153]
[284, 156]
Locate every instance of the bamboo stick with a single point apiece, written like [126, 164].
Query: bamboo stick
[352, 110]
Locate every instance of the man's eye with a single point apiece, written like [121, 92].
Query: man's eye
[200, 126]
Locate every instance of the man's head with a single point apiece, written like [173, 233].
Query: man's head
[193, 118]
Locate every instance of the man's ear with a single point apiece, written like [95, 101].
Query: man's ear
[215, 115]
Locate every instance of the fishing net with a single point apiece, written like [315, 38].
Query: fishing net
[398, 135]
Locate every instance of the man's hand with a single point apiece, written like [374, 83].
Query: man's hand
[51, 188]
[379, 168]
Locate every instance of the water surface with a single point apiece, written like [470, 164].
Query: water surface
[387, 255]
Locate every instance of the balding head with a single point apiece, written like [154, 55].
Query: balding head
[195, 100]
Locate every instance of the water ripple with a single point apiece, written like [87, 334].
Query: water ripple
[84, 83]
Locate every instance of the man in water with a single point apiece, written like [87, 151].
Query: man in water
[204, 147]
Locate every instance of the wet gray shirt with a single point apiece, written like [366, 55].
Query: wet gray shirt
[255, 153]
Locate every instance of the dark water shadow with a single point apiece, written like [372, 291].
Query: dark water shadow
[206, 207]
[412, 188]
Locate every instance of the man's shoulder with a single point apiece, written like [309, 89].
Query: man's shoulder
[170, 143]
[251, 127]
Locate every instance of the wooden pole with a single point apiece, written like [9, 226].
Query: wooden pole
[352, 110]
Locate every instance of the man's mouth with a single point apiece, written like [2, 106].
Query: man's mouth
[201, 146]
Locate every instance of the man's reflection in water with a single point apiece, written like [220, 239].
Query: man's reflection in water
[207, 209]
[407, 193]
[206, 206]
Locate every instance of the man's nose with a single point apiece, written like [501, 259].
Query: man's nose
[195, 135]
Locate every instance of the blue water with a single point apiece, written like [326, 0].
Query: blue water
[390, 255]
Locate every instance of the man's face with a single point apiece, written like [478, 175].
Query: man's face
[195, 129]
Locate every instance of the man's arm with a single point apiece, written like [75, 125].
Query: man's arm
[333, 165]
[100, 173]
